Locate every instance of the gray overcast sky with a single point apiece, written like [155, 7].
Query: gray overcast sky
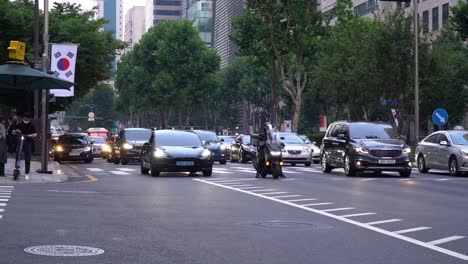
[88, 4]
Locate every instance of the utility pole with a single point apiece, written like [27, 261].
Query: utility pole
[416, 72]
[44, 102]
[36, 55]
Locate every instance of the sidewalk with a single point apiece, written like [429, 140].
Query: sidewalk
[34, 177]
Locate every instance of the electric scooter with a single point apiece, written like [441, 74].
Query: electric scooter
[268, 159]
[16, 171]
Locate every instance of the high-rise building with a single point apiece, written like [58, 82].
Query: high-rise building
[200, 12]
[134, 25]
[223, 12]
[159, 10]
[111, 11]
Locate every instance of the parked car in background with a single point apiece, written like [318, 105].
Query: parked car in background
[74, 147]
[227, 141]
[128, 144]
[242, 150]
[175, 151]
[364, 146]
[444, 150]
[295, 150]
[97, 146]
[315, 149]
[214, 144]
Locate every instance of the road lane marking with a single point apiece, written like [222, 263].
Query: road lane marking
[301, 200]
[291, 172]
[95, 169]
[5, 192]
[445, 240]
[316, 204]
[119, 172]
[250, 188]
[361, 214]
[5, 196]
[3, 200]
[371, 179]
[81, 192]
[126, 169]
[221, 171]
[2, 204]
[338, 209]
[233, 180]
[6, 186]
[273, 193]
[244, 185]
[287, 196]
[443, 179]
[2, 210]
[264, 190]
[384, 221]
[411, 230]
[349, 221]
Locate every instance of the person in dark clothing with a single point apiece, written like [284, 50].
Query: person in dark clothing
[11, 139]
[3, 146]
[26, 129]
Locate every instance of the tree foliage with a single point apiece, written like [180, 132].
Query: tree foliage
[459, 19]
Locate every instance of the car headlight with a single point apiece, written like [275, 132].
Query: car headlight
[87, 148]
[127, 146]
[407, 150]
[105, 148]
[362, 150]
[59, 148]
[158, 153]
[464, 152]
[307, 149]
[275, 153]
[222, 147]
[206, 153]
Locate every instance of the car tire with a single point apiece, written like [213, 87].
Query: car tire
[88, 160]
[223, 162]
[242, 158]
[422, 164]
[124, 161]
[326, 168]
[453, 166]
[154, 170]
[405, 173]
[293, 164]
[116, 160]
[143, 170]
[231, 159]
[349, 166]
[308, 164]
[208, 173]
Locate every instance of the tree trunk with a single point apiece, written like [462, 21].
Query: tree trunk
[188, 115]
[297, 114]
[130, 122]
[179, 113]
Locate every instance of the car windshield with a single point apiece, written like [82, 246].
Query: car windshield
[291, 139]
[459, 138]
[246, 140]
[227, 140]
[99, 140]
[177, 139]
[208, 136]
[72, 140]
[371, 131]
[141, 134]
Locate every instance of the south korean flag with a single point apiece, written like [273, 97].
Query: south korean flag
[62, 65]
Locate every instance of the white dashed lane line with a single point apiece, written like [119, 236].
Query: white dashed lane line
[338, 209]
[95, 169]
[126, 169]
[432, 245]
[119, 172]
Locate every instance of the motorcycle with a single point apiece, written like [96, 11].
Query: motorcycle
[268, 159]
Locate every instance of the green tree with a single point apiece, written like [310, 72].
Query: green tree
[288, 32]
[459, 19]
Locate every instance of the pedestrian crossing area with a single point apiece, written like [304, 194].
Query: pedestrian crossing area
[115, 171]
[5, 195]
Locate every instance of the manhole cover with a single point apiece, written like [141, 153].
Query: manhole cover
[64, 250]
[290, 225]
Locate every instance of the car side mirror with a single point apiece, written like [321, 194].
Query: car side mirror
[207, 144]
[444, 143]
[92, 141]
[307, 141]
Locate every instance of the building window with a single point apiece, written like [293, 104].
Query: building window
[425, 21]
[366, 8]
[435, 18]
[445, 14]
[167, 2]
[167, 12]
[407, 4]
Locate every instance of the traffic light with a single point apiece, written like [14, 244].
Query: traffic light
[16, 50]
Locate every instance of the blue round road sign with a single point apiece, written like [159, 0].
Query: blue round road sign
[440, 117]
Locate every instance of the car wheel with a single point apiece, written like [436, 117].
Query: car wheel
[124, 161]
[308, 164]
[208, 173]
[453, 166]
[143, 169]
[223, 162]
[293, 164]
[231, 159]
[405, 174]
[349, 166]
[242, 158]
[422, 164]
[116, 160]
[154, 170]
[325, 167]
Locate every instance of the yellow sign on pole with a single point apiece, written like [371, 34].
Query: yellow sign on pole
[16, 50]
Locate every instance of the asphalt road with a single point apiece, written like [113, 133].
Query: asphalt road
[233, 217]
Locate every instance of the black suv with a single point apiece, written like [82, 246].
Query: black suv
[364, 146]
[128, 145]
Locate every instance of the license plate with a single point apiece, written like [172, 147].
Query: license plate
[184, 163]
[75, 152]
[386, 161]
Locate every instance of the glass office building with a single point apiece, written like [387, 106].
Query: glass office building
[201, 13]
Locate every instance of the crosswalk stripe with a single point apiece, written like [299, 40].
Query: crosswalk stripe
[287, 196]
[119, 172]
[221, 172]
[126, 169]
[272, 193]
[445, 240]
[95, 169]
[250, 188]
[2, 210]
[2, 204]
[264, 190]
[384, 221]
[353, 215]
[301, 200]
[5, 196]
[315, 204]
[411, 230]
[3, 200]
[6, 186]
[338, 209]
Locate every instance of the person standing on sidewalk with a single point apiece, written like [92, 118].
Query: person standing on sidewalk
[26, 129]
[11, 139]
[3, 146]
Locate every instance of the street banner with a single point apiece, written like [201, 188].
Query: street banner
[323, 123]
[395, 116]
[287, 126]
[62, 65]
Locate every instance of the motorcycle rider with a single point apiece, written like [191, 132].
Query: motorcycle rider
[266, 139]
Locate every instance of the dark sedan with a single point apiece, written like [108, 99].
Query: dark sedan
[128, 144]
[214, 144]
[74, 147]
[175, 151]
[242, 150]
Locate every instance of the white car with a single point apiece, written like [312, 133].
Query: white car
[315, 149]
[295, 150]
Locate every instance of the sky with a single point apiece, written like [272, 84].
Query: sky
[88, 4]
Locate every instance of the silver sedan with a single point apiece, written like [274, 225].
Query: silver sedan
[444, 150]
